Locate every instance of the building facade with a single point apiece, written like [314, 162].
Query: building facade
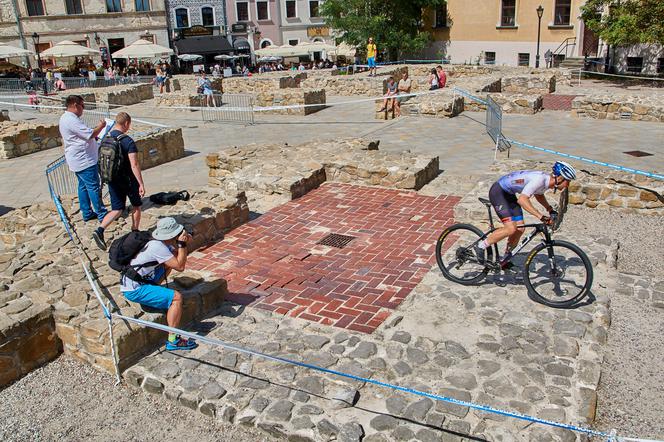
[301, 22]
[106, 25]
[253, 24]
[505, 32]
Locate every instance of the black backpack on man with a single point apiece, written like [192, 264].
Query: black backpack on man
[124, 249]
[111, 159]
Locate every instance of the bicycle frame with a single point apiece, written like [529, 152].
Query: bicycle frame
[537, 228]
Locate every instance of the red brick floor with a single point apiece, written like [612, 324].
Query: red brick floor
[557, 102]
[273, 262]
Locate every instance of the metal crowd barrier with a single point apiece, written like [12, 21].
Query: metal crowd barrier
[92, 116]
[237, 108]
[60, 178]
[494, 126]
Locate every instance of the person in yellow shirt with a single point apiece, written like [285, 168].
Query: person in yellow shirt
[371, 57]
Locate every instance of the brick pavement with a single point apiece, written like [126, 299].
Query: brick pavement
[558, 102]
[275, 263]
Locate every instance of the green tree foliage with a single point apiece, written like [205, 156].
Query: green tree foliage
[395, 25]
[625, 22]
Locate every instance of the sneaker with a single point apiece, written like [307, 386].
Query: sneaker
[181, 344]
[99, 239]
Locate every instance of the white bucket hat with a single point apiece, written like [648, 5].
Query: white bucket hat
[167, 228]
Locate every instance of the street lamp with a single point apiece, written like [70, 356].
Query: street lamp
[540, 13]
[35, 41]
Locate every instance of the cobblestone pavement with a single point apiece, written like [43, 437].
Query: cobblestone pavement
[461, 142]
[278, 263]
[489, 344]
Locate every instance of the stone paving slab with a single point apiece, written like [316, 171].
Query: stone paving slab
[276, 263]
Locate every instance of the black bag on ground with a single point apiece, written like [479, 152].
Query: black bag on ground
[124, 249]
[169, 198]
[111, 160]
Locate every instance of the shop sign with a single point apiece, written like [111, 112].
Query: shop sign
[239, 27]
[196, 31]
[318, 31]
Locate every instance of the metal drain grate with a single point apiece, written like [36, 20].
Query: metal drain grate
[336, 240]
[638, 153]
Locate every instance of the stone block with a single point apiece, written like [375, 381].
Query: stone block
[18, 138]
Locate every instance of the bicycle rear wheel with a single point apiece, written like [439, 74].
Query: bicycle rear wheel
[456, 254]
[559, 274]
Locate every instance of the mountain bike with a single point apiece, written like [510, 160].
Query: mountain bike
[556, 273]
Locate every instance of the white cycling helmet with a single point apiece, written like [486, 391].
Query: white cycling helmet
[561, 168]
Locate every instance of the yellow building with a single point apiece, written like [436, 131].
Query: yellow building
[504, 32]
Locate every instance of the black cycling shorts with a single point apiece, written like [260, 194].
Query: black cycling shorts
[505, 204]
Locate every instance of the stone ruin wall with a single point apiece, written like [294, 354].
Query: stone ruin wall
[18, 138]
[292, 97]
[619, 107]
[159, 146]
[122, 95]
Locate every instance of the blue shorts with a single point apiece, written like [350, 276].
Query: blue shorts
[154, 296]
[371, 61]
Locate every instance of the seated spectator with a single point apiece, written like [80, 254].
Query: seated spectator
[205, 86]
[391, 93]
[129, 182]
[169, 250]
[59, 85]
[404, 87]
[442, 77]
[433, 80]
[301, 68]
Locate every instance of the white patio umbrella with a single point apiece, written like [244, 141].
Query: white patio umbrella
[315, 46]
[224, 57]
[142, 49]
[281, 51]
[68, 48]
[190, 57]
[7, 51]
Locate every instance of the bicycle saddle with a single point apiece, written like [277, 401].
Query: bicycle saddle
[485, 201]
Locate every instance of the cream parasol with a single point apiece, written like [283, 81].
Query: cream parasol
[142, 49]
[68, 48]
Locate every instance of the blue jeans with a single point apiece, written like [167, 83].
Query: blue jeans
[89, 191]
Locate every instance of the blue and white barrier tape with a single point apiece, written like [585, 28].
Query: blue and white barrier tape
[588, 160]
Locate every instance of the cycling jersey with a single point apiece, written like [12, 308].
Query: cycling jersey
[525, 182]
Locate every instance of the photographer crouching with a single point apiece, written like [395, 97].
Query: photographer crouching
[157, 255]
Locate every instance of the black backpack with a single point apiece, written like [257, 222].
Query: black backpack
[111, 160]
[169, 198]
[124, 249]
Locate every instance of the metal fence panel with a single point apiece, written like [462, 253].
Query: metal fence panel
[229, 107]
[494, 119]
[92, 117]
[60, 178]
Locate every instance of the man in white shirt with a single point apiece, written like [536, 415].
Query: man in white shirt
[166, 252]
[81, 154]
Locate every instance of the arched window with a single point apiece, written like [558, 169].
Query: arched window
[207, 14]
[265, 43]
[181, 18]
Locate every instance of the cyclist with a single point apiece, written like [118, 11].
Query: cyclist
[509, 207]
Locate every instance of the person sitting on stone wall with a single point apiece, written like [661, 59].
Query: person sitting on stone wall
[391, 93]
[128, 183]
[168, 250]
[442, 77]
[404, 87]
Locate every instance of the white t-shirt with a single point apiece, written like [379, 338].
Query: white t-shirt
[81, 151]
[525, 182]
[153, 251]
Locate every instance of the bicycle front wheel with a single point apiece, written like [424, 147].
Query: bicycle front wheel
[559, 274]
[457, 256]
